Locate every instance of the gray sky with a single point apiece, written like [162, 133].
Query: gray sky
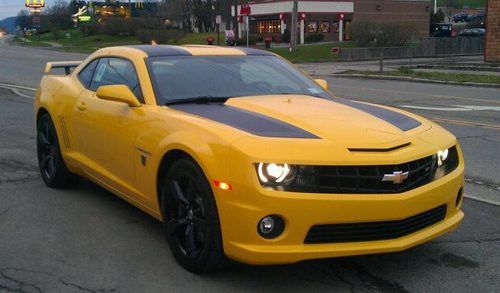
[12, 7]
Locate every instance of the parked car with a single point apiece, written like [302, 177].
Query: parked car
[460, 17]
[472, 32]
[243, 156]
[442, 30]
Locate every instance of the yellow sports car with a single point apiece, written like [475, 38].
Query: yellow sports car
[243, 156]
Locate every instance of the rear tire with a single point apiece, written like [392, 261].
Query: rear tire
[190, 218]
[54, 172]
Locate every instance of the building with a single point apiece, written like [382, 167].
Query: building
[329, 18]
[273, 18]
[492, 40]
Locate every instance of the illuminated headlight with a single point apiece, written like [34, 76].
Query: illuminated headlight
[442, 156]
[447, 161]
[275, 174]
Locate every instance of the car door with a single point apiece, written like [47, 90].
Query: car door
[107, 130]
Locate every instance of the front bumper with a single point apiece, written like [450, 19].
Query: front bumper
[241, 209]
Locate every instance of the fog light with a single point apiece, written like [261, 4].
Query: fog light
[271, 226]
[458, 200]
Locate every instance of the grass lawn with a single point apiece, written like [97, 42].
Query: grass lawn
[310, 53]
[461, 3]
[87, 44]
[459, 77]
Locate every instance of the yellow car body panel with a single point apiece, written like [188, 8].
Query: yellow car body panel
[109, 142]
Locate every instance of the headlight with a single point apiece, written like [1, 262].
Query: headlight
[275, 174]
[447, 161]
[442, 156]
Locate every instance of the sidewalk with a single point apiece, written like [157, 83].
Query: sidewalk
[330, 68]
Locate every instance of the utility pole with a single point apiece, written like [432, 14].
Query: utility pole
[293, 29]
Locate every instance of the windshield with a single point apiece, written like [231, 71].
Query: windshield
[178, 78]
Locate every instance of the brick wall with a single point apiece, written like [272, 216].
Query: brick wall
[492, 49]
[397, 11]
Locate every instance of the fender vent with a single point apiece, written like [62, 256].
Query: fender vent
[64, 132]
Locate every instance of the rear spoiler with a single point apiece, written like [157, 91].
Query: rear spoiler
[67, 65]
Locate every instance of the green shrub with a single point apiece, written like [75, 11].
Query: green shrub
[57, 34]
[162, 36]
[252, 41]
[379, 34]
[314, 38]
[116, 26]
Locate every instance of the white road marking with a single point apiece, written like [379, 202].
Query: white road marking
[484, 200]
[17, 92]
[16, 89]
[454, 108]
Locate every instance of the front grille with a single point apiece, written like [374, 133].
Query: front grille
[364, 179]
[370, 231]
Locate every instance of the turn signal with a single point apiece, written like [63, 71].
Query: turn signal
[223, 185]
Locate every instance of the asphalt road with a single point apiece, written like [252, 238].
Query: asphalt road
[87, 240]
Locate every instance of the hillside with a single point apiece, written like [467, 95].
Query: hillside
[9, 24]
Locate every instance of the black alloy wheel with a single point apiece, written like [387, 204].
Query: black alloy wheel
[186, 220]
[54, 172]
[191, 219]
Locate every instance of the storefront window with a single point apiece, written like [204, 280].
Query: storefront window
[312, 27]
[325, 26]
[266, 26]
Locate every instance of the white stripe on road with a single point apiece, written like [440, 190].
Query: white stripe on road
[17, 88]
[17, 92]
[461, 108]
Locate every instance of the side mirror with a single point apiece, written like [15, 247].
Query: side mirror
[118, 93]
[323, 83]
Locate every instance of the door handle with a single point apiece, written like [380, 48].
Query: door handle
[81, 106]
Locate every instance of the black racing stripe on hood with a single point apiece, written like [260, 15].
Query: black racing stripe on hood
[251, 122]
[399, 120]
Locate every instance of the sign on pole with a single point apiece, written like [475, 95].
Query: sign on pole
[218, 19]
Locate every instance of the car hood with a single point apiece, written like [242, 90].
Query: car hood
[352, 124]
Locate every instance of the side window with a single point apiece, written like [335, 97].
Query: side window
[85, 76]
[111, 71]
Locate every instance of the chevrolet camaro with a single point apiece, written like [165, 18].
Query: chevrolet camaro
[242, 156]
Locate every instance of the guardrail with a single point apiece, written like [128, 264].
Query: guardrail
[427, 47]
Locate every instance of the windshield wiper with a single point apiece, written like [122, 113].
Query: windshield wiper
[199, 100]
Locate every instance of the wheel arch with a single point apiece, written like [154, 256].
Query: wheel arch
[41, 111]
[166, 162]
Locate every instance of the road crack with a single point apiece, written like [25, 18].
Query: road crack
[482, 182]
[14, 171]
[85, 289]
[17, 285]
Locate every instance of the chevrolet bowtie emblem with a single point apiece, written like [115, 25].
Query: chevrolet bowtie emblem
[396, 177]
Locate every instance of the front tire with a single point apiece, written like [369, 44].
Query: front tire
[54, 172]
[190, 218]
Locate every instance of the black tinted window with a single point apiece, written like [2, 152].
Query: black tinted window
[85, 76]
[111, 71]
[184, 77]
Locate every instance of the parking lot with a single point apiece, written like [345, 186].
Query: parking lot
[87, 240]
